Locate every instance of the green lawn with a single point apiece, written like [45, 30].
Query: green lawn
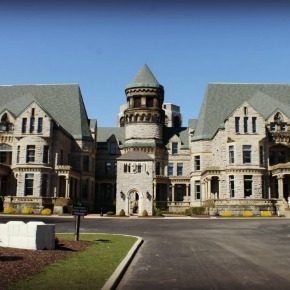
[88, 269]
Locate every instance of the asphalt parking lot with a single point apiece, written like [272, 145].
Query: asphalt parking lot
[200, 253]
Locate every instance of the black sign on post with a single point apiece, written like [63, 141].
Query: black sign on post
[78, 211]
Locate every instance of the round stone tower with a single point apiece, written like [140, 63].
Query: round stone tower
[144, 116]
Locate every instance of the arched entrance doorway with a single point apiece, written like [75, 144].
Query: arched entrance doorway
[133, 202]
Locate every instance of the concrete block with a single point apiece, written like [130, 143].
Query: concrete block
[33, 235]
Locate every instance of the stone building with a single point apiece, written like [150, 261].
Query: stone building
[235, 156]
[47, 147]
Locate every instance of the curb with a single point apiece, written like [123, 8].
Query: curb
[116, 277]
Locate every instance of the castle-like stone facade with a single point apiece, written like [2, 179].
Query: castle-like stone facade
[235, 156]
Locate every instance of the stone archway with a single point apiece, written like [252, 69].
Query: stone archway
[134, 202]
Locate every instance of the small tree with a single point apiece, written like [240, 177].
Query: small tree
[145, 213]
[122, 213]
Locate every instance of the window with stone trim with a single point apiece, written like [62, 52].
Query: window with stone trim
[39, 125]
[248, 181]
[28, 187]
[232, 185]
[32, 124]
[174, 148]
[30, 153]
[18, 154]
[24, 125]
[231, 154]
[179, 169]
[237, 124]
[254, 124]
[45, 154]
[197, 189]
[247, 152]
[246, 124]
[170, 169]
[197, 162]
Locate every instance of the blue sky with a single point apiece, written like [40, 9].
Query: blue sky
[101, 45]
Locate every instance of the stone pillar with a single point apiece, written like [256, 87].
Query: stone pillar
[209, 188]
[280, 187]
[67, 186]
[172, 193]
[187, 190]
[154, 190]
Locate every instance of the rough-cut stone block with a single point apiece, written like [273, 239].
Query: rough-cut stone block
[33, 235]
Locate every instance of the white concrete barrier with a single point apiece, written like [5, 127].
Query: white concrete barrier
[31, 235]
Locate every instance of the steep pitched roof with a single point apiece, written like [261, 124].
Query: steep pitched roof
[145, 78]
[63, 103]
[181, 132]
[104, 133]
[222, 99]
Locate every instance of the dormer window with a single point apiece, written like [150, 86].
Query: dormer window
[278, 124]
[5, 124]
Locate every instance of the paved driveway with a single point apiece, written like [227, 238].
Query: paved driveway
[202, 254]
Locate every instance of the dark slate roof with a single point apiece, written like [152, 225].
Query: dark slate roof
[181, 132]
[192, 123]
[145, 78]
[104, 133]
[135, 156]
[64, 103]
[222, 99]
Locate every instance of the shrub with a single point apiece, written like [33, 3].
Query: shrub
[266, 213]
[157, 212]
[226, 213]
[110, 213]
[199, 210]
[27, 210]
[9, 210]
[46, 211]
[145, 213]
[122, 213]
[247, 213]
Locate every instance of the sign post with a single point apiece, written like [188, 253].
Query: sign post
[78, 211]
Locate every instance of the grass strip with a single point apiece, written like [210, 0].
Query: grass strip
[89, 269]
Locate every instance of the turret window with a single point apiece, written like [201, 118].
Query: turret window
[137, 102]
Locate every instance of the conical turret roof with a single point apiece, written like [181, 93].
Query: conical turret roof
[144, 78]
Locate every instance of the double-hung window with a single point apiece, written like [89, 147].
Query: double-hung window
[247, 152]
[231, 154]
[30, 153]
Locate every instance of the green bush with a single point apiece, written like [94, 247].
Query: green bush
[46, 211]
[27, 210]
[158, 212]
[122, 213]
[9, 210]
[144, 213]
[199, 210]
[110, 213]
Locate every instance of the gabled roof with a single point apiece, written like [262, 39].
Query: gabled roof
[181, 132]
[63, 103]
[145, 78]
[222, 99]
[104, 133]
